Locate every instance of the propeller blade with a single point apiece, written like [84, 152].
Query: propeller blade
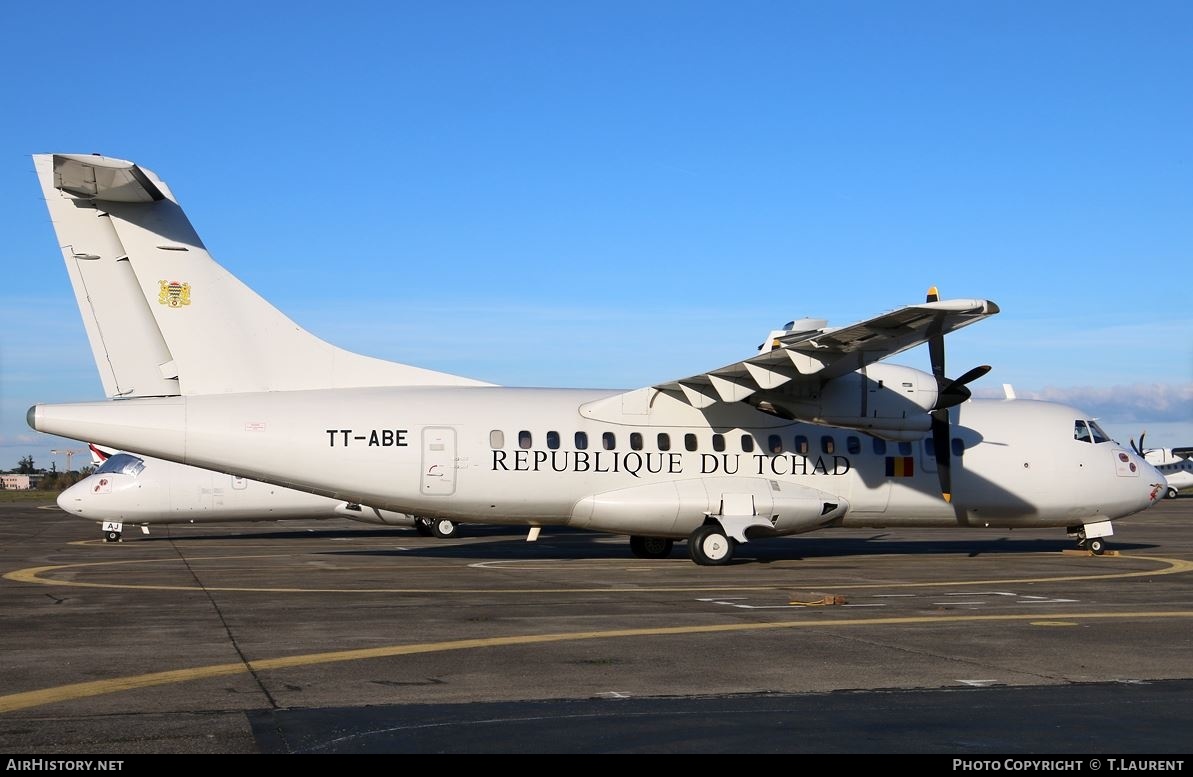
[936, 344]
[972, 375]
[943, 452]
[955, 392]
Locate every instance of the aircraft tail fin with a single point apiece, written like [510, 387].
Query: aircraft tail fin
[163, 318]
[100, 454]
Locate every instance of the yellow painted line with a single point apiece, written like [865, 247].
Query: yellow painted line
[1053, 623]
[61, 693]
[38, 576]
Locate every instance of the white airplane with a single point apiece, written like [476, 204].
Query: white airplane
[811, 432]
[127, 488]
[1175, 464]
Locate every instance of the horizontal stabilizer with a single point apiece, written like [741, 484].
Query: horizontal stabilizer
[103, 178]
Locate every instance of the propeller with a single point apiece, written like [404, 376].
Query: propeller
[949, 393]
[1139, 449]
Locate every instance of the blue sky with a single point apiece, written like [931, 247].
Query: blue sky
[614, 194]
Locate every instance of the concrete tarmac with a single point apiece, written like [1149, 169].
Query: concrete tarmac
[319, 636]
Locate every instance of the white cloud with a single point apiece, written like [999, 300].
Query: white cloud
[1138, 402]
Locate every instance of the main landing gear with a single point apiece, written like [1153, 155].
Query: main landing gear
[651, 547]
[710, 546]
[436, 527]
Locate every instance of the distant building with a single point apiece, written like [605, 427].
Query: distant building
[19, 482]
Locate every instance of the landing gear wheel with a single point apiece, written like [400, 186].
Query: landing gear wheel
[1171, 494]
[111, 536]
[710, 547]
[423, 527]
[444, 529]
[651, 547]
[1096, 546]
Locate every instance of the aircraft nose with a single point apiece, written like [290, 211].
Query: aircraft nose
[70, 499]
[96, 497]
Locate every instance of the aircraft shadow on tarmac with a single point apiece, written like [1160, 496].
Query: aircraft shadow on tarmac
[561, 543]
[755, 552]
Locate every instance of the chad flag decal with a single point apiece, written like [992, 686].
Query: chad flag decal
[900, 466]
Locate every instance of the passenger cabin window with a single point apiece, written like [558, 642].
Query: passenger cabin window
[1096, 431]
[636, 441]
[496, 439]
[828, 444]
[664, 441]
[524, 439]
[879, 447]
[718, 442]
[608, 441]
[958, 447]
[853, 445]
[747, 443]
[929, 446]
[553, 440]
[689, 441]
[581, 441]
[774, 443]
[801, 445]
[1081, 431]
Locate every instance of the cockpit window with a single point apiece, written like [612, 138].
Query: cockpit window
[123, 464]
[1099, 435]
[1080, 431]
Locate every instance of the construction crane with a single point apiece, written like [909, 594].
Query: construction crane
[68, 452]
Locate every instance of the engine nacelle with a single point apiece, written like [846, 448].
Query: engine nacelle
[885, 400]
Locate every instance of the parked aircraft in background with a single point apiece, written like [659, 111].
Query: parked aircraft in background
[1175, 464]
[811, 432]
[143, 491]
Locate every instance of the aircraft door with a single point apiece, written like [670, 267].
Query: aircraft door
[439, 461]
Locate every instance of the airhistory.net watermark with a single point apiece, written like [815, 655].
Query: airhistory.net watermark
[60, 765]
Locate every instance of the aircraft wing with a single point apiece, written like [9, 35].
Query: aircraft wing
[807, 359]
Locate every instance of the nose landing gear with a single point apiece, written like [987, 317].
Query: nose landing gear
[1092, 536]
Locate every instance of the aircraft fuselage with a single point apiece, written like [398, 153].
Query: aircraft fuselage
[585, 459]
